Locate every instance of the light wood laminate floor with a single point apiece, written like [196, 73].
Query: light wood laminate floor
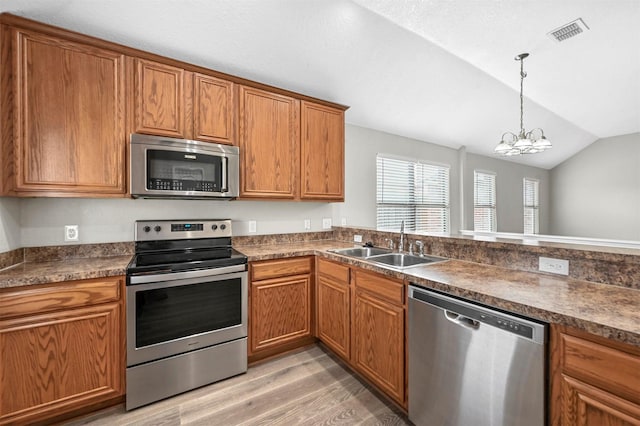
[308, 387]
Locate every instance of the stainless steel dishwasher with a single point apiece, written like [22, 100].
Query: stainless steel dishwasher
[471, 365]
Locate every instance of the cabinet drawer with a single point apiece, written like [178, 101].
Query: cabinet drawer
[280, 268]
[59, 296]
[387, 288]
[333, 270]
[609, 368]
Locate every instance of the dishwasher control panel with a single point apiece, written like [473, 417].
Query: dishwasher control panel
[507, 324]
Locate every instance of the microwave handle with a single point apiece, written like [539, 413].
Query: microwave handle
[225, 174]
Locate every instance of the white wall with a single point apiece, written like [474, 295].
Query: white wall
[362, 146]
[111, 220]
[596, 193]
[509, 202]
[9, 224]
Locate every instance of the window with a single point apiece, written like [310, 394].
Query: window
[484, 201]
[415, 192]
[531, 206]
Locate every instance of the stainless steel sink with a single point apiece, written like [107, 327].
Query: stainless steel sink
[386, 257]
[404, 260]
[362, 252]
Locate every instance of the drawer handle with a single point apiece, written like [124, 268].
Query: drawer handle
[462, 321]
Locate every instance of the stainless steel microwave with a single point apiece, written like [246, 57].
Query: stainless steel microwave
[163, 167]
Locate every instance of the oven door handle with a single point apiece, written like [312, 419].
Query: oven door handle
[143, 279]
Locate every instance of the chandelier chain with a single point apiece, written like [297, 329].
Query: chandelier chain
[522, 76]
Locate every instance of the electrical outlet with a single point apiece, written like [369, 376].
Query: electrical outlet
[71, 233]
[252, 226]
[343, 221]
[307, 224]
[357, 238]
[326, 223]
[555, 266]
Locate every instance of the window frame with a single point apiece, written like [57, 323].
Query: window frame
[535, 207]
[493, 227]
[414, 219]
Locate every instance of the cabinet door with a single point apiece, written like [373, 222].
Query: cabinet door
[594, 380]
[59, 362]
[280, 311]
[333, 315]
[585, 405]
[322, 153]
[213, 110]
[268, 144]
[378, 343]
[160, 99]
[70, 117]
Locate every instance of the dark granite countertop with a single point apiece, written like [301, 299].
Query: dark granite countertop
[52, 271]
[606, 310]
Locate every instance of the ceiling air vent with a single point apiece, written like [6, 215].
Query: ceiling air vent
[569, 30]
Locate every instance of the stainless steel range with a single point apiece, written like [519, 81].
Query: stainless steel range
[186, 308]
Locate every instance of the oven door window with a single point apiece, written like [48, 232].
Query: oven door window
[171, 313]
[183, 171]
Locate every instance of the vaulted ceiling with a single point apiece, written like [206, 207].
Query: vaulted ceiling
[440, 71]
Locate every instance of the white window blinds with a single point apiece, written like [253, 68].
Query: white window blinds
[415, 192]
[531, 206]
[484, 201]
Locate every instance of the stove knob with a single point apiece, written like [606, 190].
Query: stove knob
[146, 229]
[223, 226]
[214, 227]
[157, 228]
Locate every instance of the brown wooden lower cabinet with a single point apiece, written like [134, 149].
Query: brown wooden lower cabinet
[378, 330]
[333, 300]
[361, 317]
[281, 306]
[594, 381]
[61, 349]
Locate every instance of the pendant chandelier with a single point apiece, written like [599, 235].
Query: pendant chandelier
[530, 142]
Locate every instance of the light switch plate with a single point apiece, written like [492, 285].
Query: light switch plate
[357, 238]
[343, 221]
[326, 223]
[307, 224]
[252, 226]
[555, 266]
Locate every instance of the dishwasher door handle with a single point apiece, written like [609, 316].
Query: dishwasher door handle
[461, 320]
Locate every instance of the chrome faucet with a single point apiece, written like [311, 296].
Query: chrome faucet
[389, 242]
[401, 242]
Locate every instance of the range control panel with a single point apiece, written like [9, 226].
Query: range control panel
[151, 230]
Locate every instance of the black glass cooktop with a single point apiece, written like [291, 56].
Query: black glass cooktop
[183, 255]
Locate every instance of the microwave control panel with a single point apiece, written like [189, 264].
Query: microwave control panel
[181, 185]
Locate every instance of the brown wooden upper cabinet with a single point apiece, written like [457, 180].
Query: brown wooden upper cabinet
[287, 154]
[170, 101]
[63, 117]
[321, 153]
[160, 102]
[68, 103]
[268, 144]
[214, 110]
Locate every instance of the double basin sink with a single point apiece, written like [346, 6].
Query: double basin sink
[387, 257]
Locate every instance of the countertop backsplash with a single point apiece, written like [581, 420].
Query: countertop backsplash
[604, 265]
